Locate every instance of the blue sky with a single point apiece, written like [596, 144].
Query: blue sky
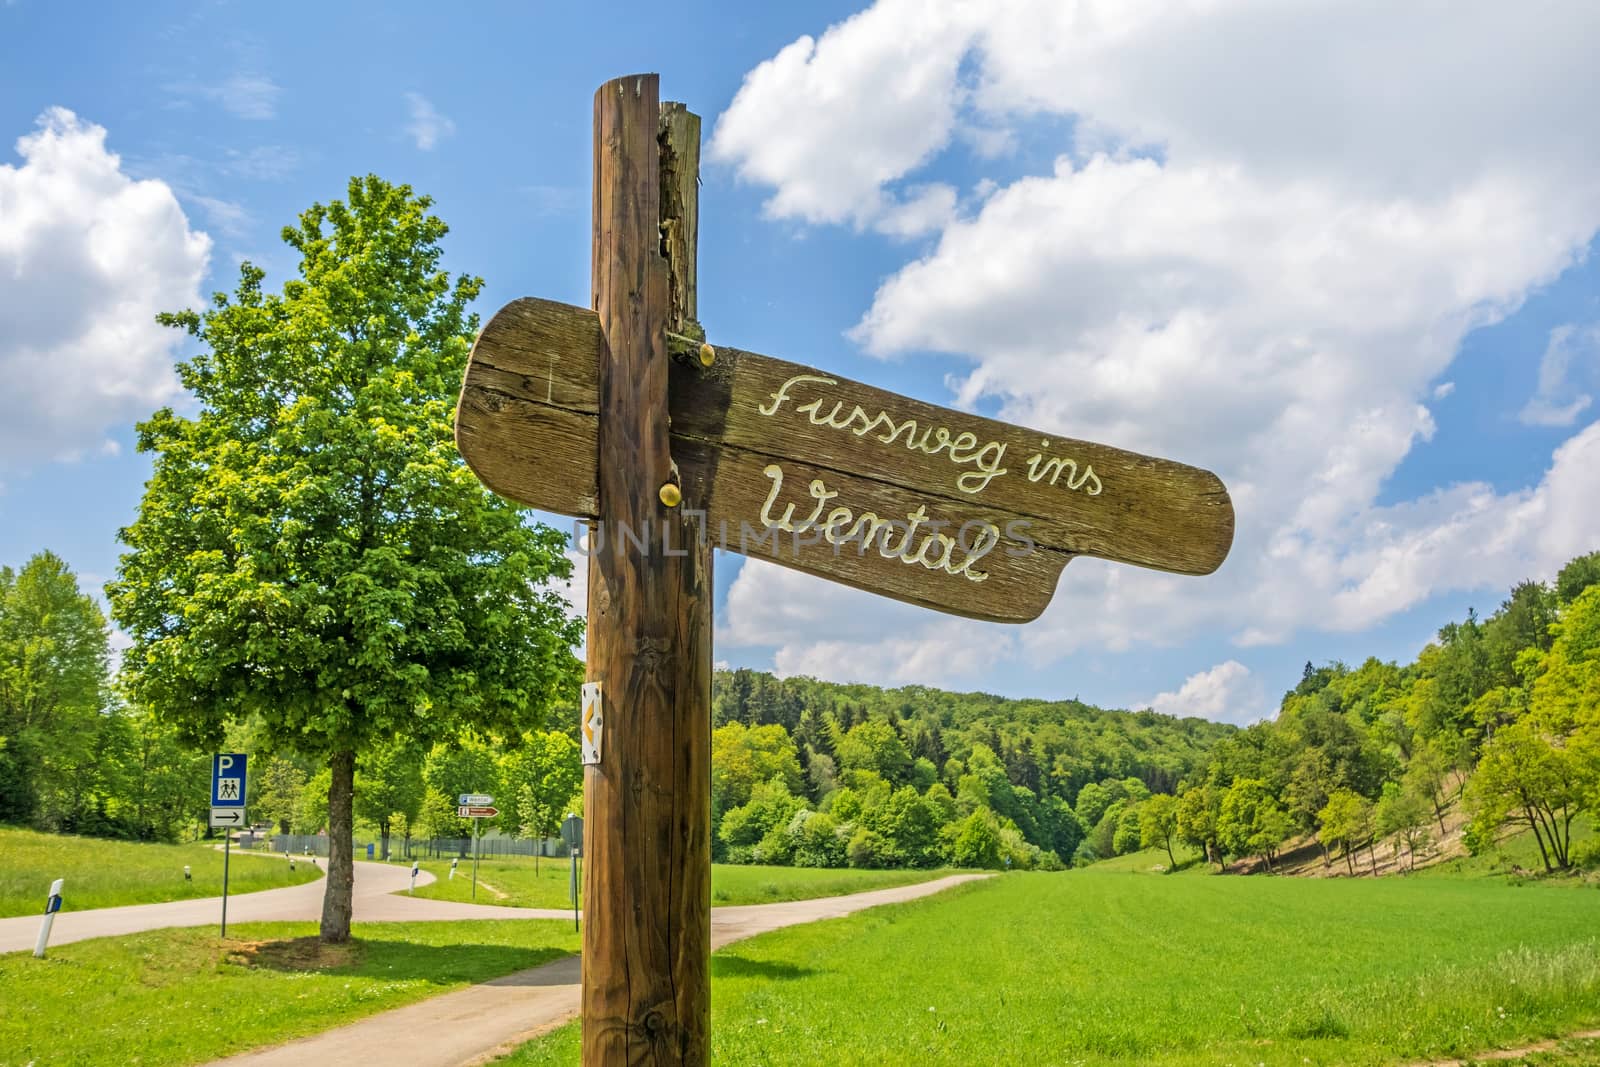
[1340, 253]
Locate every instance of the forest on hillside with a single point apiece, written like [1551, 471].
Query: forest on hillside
[1499, 717]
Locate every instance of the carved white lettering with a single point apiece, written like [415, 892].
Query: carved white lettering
[902, 540]
[963, 449]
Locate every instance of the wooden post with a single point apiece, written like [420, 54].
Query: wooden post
[647, 832]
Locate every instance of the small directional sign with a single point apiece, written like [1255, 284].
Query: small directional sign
[227, 817]
[593, 722]
[476, 811]
[475, 799]
[227, 780]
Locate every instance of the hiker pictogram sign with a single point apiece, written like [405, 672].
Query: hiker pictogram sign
[622, 414]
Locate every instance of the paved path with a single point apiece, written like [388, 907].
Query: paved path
[374, 900]
[475, 1024]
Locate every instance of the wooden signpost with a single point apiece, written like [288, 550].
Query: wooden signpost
[623, 415]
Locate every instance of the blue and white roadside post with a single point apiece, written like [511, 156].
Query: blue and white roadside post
[51, 906]
[453, 863]
[228, 787]
[416, 865]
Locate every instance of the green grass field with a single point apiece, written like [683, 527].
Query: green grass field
[101, 874]
[182, 996]
[1095, 967]
[513, 882]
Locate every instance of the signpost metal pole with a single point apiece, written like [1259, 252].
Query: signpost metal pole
[475, 824]
[227, 840]
[229, 784]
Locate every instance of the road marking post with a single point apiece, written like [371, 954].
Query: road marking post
[52, 905]
[416, 866]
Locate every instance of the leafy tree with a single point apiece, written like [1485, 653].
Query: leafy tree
[910, 826]
[467, 765]
[817, 841]
[875, 746]
[310, 549]
[53, 668]
[1346, 821]
[161, 798]
[1251, 822]
[1578, 575]
[1198, 810]
[1158, 824]
[1403, 812]
[744, 756]
[1129, 830]
[541, 776]
[975, 841]
[1525, 777]
[389, 787]
[1424, 778]
[278, 786]
[771, 805]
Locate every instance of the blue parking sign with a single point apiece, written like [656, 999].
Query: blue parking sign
[227, 780]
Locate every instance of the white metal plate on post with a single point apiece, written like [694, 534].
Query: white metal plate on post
[593, 722]
[228, 818]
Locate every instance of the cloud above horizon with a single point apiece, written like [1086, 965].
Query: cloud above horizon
[91, 256]
[1259, 255]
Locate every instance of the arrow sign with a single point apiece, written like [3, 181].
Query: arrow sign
[227, 817]
[473, 811]
[936, 507]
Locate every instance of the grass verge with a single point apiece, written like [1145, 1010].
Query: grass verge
[103, 874]
[184, 996]
[1093, 967]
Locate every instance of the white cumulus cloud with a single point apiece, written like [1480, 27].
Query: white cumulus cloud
[1266, 231]
[1227, 692]
[88, 257]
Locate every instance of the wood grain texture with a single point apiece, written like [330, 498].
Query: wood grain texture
[1148, 512]
[646, 934]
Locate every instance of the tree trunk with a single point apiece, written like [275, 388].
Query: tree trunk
[1539, 837]
[1171, 859]
[336, 902]
[1372, 854]
[1348, 862]
[383, 831]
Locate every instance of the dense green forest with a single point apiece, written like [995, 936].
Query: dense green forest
[821, 774]
[1498, 718]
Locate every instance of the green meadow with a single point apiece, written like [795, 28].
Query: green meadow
[1097, 967]
[183, 996]
[102, 874]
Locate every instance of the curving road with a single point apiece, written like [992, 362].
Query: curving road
[479, 1023]
[374, 900]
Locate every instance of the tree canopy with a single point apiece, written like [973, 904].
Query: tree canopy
[311, 553]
